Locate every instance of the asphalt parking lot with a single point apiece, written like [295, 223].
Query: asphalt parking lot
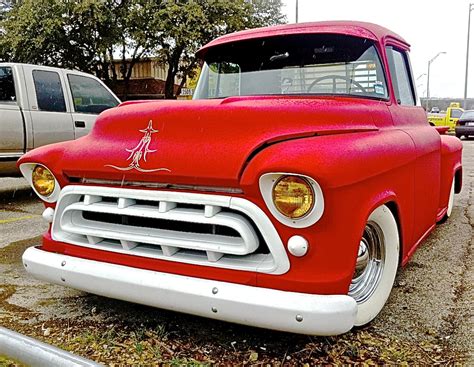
[429, 318]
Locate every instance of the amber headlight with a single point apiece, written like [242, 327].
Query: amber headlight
[293, 196]
[43, 180]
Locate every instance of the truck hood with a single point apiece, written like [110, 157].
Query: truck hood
[204, 142]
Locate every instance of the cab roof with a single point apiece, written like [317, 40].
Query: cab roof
[356, 29]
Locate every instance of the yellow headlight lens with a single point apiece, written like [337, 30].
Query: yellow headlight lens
[293, 196]
[43, 181]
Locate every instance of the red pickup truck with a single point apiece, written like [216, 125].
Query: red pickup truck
[285, 195]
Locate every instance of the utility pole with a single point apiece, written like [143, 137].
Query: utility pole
[296, 11]
[471, 7]
[428, 77]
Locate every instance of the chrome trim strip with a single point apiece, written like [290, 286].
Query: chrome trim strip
[10, 157]
[158, 185]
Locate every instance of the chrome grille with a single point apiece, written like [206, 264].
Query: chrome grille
[201, 229]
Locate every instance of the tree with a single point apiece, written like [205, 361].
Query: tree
[185, 26]
[50, 32]
[83, 35]
[134, 39]
[88, 34]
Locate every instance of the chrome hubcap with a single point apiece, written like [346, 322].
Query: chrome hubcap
[369, 265]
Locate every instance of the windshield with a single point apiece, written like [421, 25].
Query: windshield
[293, 65]
[467, 115]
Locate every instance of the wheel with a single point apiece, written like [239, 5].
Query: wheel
[459, 136]
[376, 266]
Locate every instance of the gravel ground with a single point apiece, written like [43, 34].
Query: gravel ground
[428, 319]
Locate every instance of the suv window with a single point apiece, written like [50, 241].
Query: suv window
[49, 92]
[89, 95]
[7, 86]
[401, 79]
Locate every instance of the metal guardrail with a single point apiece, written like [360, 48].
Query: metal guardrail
[33, 352]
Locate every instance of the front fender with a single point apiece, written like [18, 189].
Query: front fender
[357, 172]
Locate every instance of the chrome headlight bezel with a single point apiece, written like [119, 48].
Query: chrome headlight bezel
[267, 182]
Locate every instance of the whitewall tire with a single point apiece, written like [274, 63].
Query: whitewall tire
[450, 201]
[449, 209]
[376, 266]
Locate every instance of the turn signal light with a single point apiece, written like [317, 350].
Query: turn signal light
[293, 196]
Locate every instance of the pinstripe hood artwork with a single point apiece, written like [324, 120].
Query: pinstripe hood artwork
[140, 152]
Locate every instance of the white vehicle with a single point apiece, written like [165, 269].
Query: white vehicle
[41, 105]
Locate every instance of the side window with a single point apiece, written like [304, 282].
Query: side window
[49, 92]
[7, 85]
[456, 113]
[89, 95]
[401, 77]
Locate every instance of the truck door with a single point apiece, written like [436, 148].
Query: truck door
[426, 166]
[89, 98]
[50, 113]
[454, 115]
[11, 118]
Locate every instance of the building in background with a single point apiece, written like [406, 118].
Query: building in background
[147, 81]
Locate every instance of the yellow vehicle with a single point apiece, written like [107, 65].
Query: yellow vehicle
[450, 118]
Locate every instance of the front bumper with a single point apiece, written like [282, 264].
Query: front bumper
[261, 307]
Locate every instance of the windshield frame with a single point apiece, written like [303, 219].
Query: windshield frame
[383, 77]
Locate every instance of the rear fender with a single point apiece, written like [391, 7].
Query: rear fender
[451, 167]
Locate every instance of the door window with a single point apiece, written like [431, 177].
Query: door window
[401, 77]
[456, 113]
[7, 85]
[49, 92]
[89, 95]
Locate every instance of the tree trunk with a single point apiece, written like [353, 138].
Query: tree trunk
[173, 67]
[112, 66]
[169, 83]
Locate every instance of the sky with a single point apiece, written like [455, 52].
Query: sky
[430, 26]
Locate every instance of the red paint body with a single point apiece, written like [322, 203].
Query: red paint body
[362, 152]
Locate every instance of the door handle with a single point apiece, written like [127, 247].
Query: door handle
[81, 124]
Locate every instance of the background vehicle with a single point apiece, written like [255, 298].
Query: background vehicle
[41, 105]
[285, 195]
[465, 125]
[435, 110]
[449, 118]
